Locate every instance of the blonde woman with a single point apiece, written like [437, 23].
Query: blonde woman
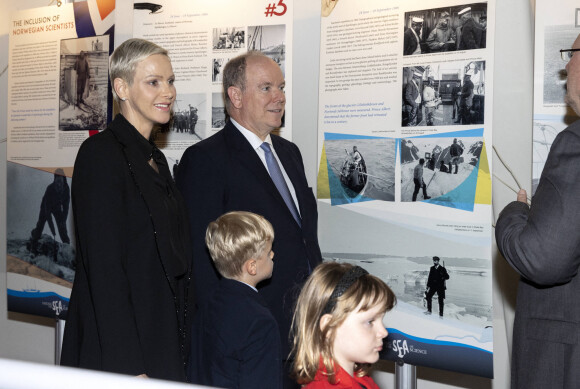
[131, 296]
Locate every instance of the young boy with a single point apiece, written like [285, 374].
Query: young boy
[235, 340]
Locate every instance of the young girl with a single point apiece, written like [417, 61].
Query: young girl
[338, 327]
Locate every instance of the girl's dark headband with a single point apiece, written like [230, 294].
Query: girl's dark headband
[345, 282]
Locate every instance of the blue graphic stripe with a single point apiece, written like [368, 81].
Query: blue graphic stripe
[335, 136]
[436, 342]
[474, 133]
[83, 22]
[34, 295]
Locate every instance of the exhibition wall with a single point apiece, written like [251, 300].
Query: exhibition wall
[32, 339]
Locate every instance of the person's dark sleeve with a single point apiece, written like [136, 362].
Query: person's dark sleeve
[409, 95]
[542, 243]
[202, 184]
[465, 90]
[99, 203]
[263, 366]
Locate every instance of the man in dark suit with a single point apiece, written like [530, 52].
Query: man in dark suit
[542, 244]
[470, 37]
[436, 284]
[234, 170]
[412, 99]
[411, 38]
[466, 100]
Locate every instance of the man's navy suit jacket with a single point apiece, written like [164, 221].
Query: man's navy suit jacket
[223, 173]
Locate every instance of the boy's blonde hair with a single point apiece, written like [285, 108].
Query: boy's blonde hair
[313, 345]
[236, 237]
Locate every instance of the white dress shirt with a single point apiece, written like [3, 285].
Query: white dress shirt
[256, 142]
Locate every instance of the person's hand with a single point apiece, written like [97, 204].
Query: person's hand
[522, 196]
[142, 376]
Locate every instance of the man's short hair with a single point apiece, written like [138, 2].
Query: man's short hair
[435, 259]
[234, 238]
[421, 161]
[234, 74]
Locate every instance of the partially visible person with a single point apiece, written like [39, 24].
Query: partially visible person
[443, 168]
[470, 36]
[244, 167]
[131, 298]
[455, 150]
[235, 338]
[466, 100]
[338, 327]
[411, 40]
[436, 284]
[81, 66]
[55, 203]
[356, 155]
[418, 180]
[442, 37]
[541, 242]
[412, 99]
[483, 24]
[216, 69]
[456, 99]
[430, 101]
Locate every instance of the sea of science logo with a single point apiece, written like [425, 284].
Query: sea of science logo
[55, 305]
[402, 348]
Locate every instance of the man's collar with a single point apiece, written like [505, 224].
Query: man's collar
[415, 33]
[254, 139]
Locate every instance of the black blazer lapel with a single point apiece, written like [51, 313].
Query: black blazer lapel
[243, 153]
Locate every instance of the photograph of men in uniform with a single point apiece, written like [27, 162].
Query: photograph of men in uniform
[413, 99]
[411, 41]
[442, 37]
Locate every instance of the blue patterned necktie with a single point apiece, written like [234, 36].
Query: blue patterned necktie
[278, 178]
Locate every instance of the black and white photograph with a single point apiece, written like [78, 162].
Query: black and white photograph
[545, 132]
[40, 233]
[84, 83]
[405, 266]
[361, 169]
[229, 38]
[556, 38]
[217, 66]
[438, 30]
[433, 167]
[444, 94]
[189, 120]
[270, 40]
[218, 111]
